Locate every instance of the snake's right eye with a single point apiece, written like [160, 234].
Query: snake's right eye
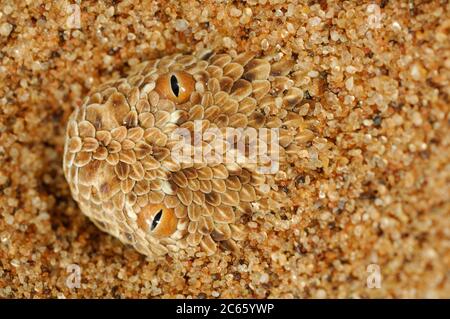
[175, 86]
[157, 220]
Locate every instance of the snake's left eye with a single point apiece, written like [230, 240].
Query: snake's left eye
[157, 220]
[175, 86]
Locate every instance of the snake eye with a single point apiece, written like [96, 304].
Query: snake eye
[176, 86]
[157, 220]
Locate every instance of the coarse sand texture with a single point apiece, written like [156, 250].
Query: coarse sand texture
[357, 93]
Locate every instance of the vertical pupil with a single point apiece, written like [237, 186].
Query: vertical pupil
[174, 85]
[156, 220]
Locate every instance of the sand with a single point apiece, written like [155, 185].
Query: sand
[367, 211]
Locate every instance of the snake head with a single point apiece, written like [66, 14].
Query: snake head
[119, 162]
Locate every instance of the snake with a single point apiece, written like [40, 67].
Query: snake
[119, 143]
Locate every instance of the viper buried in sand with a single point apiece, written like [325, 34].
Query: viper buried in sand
[118, 156]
